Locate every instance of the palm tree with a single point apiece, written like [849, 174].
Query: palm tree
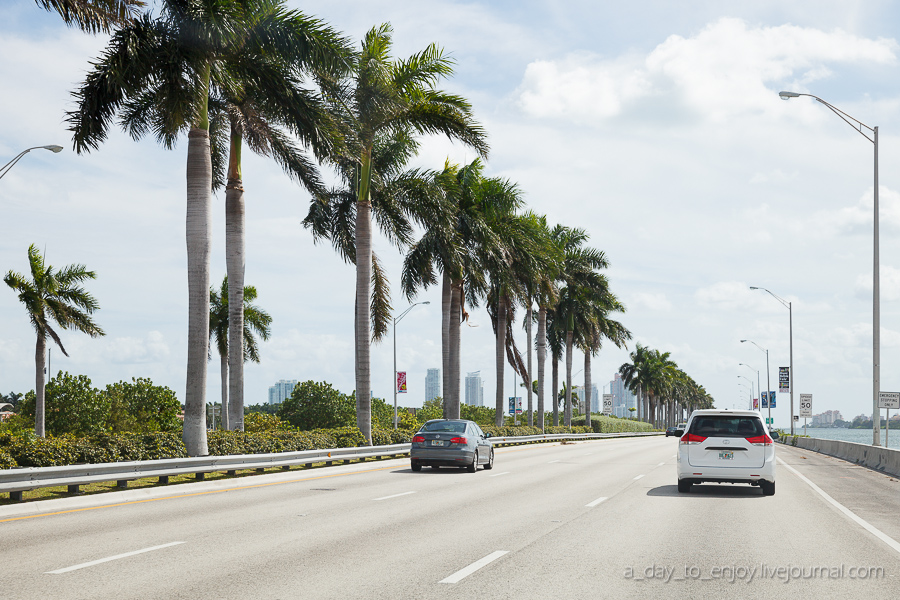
[158, 75]
[595, 328]
[376, 101]
[94, 16]
[634, 375]
[254, 319]
[53, 296]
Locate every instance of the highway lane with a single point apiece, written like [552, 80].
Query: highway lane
[581, 520]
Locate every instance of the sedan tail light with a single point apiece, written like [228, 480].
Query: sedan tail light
[418, 438]
[760, 440]
[459, 440]
[691, 438]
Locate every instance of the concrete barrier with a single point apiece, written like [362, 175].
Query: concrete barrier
[879, 458]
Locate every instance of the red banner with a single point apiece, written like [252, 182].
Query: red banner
[401, 382]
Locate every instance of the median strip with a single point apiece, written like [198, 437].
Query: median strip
[465, 572]
[110, 558]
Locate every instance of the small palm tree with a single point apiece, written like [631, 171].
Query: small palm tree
[53, 296]
[94, 16]
[254, 320]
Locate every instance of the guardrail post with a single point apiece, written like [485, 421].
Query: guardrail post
[164, 479]
[122, 483]
[15, 496]
[199, 476]
[231, 473]
[74, 489]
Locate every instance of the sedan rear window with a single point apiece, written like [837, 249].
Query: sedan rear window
[445, 426]
[727, 426]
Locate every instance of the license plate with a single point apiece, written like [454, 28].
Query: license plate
[728, 455]
[437, 443]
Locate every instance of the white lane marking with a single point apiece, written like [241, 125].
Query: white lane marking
[465, 572]
[660, 464]
[499, 474]
[552, 461]
[638, 477]
[116, 557]
[587, 454]
[393, 496]
[847, 512]
[596, 502]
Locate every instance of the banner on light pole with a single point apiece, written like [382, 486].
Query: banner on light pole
[784, 379]
[401, 382]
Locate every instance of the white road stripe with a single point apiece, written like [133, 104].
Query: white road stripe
[660, 464]
[499, 474]
[552, 461]
[116, 557]
[393, 496]
[463, 573]
[638, 477]
[847, 512]
[596, 502]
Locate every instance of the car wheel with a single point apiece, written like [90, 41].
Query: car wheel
[768, 488]
[471, 468]
[684, 486]
[490, 462]
[415, 466]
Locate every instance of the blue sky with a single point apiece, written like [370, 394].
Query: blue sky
[655, 126]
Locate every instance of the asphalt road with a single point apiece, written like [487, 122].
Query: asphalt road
[598, 519]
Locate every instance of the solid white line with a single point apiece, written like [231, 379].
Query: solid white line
[847, 512]
[116, 557]
[638, 477]
[552, 461]
[660, 464]
[463, 573]
[595, 502]
[394, 496]
[499, 474]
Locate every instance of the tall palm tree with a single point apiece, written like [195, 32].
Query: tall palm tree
[158, 74]
[94, 16]
[635, 376]
[254, 320]
[53, 296]
[378, 99]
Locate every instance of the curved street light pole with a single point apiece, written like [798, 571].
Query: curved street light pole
[751, 390]
[768, 381]
[871, 134]
[758, 386]
[5, 168]
[394, 333]
[792, 381]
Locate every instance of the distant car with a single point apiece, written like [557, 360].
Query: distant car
[726, 446]
[451, 443]
[676, 430]
[671, 431]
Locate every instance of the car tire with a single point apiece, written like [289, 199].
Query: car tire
[768, 488]
[415, 466]
[471, 468]
[490, 462]
[684, 486]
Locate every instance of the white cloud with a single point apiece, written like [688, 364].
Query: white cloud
[129, 350]
[657, 301]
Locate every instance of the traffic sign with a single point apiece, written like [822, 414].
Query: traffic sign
[806, 406]
[770, 420]
[889, 400]
[607, 404]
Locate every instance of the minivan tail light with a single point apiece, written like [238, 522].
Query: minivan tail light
[459, 440]
[760, 440]
[691, 438]
[418, 438]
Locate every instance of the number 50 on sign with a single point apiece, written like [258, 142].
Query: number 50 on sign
[806, 406]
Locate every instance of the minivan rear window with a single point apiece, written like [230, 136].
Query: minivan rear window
[727, 426]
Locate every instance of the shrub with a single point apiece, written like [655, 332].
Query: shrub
[71, 405]
[607, 424]
[141, 407]
[256, 422]
[317, 405]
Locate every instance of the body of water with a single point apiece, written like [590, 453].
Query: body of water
[860, 436]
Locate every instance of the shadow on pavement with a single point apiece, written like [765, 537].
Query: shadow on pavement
[709, 490]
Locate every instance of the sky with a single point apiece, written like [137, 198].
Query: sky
[654, 126]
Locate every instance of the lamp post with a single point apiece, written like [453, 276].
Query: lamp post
[871, 134]
[768, 382]
[787, 305]
[5, 168]
[751, 389]
[758, 386]
[397, 320]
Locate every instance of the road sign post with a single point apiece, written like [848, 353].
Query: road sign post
[607, 404]
[805, 409]
[887, 401]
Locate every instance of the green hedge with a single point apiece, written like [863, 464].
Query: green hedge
[606, 424]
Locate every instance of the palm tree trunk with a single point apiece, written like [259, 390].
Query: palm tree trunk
[569, 349]
[528, 389]
[451, 399]
[198, 230]
[587, 388]
[223, 371]
[446, 295]
[363, 308]
[640, 403]
[40, 356]
[555, 390]
[541, 360]
[499, 361]
[234, 261]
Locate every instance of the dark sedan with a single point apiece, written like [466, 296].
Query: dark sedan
[451, 443]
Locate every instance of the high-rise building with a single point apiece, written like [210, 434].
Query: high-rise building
[474, 389]
[623, 398]
[596, 400]
[432, 384]
[282, 390]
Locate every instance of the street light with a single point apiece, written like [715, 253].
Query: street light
[751, 389]
[5, 168]
[792, 381]
[758, 386]
[397, 320]
[876, 287]
[768, 382]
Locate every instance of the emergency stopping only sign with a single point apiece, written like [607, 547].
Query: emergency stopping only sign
[889, 400]
[806, 406]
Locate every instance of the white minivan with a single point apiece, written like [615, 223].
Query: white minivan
[726, 446]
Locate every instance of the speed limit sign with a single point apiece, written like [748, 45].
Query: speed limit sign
[806, 406]
[607, 404]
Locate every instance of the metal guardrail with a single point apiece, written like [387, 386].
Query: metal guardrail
[21, 479]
